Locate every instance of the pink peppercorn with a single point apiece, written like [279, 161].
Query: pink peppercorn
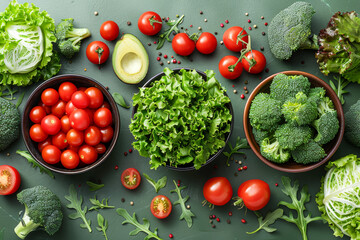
[243, 220]
[266, 24]
[244, 167]
[179, 62]
[171, 236]
[130, 150]
[218, 219]
[174, 61]
[213, 216]
[249, 21]
[221, 25]
[154, 42]
[276, 184]
[230, 213]
[125, 154]
[242, 96]
[233, 85]
[191, 25]
[250, 28]
[165, 56]
[226, 21]
[239, 169]
[158, 58]
[116, 167]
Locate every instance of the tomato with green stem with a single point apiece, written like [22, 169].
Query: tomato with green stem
[149, 23]
[87, 154]
[206, 43]
[51, 124]
[109, 30]
[59, 140]
[9, 180]
[254, 62]
[92, 136]
[130, 178]
[225, 65]
[79, 119]
[161, 207]
[217, 191]
[235, 39]
[254, 194]
[97, 52]
[74, 137]
[183, 45]
[69, 159]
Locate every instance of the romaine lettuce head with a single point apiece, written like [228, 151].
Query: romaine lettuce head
[339, 196]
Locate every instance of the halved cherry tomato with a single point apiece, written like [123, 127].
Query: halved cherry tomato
[109, 30]
[217, 191]
[102, 117]
[87, 154]
[51, 124]
[80, 99]
[37, 114]
[161, 206]
[70, 159]
[100, 148]
[66, 90]
[257, 58]
[224, 65]
[75, 137]
[79, 119]
[58, 109]
[97, 52]
[106, 134]
[9, 180]
[37, 134]
[182, 44]
[92, 136]
[149, 23]
[206, 43]
[130, 178]
[96, 97]
[235, 38]
[255, 194]
[59, 140]
[49, 96]
[51, 154]
[65, 124]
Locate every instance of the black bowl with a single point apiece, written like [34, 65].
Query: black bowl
[188, 167]
[54, 82]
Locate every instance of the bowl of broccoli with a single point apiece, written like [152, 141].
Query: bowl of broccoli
[294, 121]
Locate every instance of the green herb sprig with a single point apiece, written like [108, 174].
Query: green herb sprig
[94, 186]
[269, 219]
[119, 99]
[241, 143]
[173, 27]
[99, 205]
[157, 185]
[103, 225]
[339, 89]
[34, 163]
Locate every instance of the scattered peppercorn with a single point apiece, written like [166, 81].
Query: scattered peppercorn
[262, 48]
[221, 42]
[276, 184]
[266, 24]
[211, 221]
[249, 21]
[205, 20]
[245, 88]
[122, 199]
[226, 21]
[179, 62]
[228, 221]
[210, 217]
[132, 203]
[168, 62]
[235, 91]
[85, 69]
[177, 15]
[242, 96]
[160, 54]
[232, 158]
[250, 28]
[174, 61]
[246, 14]
[266, 70]
[154, 42]
[240, 169]
[130, 150]
[191, 25]
[188, 206]
[246, 82]
[230, 213]
[107, 88]
[243, 220]
[199, 28]
[96, 13]
[165, 56]
[255, 26]
[125, 154]
[201, 12]
[235, 174]
[262, 17]
[246, 91]
[149, 44]
[245, 167]
[172, 56]
[213, 216]
[171, 236]
[182, 27]
[218, 219]
[213, 226]
[263, 33]
[161, 63]
[116, 167]
[191, 59]
[158, 58]
[128, 23]
[221, 25]
[240, 162]
[8, 154]
[236, 161]
[216, 33]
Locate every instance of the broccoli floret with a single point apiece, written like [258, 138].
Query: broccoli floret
[308, 153]
[287, 86]
[42, 210]
[265, 112]
[325, 105]
[69, 38]
[290, 136]
[300, 110]
[317, 94]
[352, 124]
[327, 127]
[9, 123]
[271, 150]
[290, 30]
[260, 135]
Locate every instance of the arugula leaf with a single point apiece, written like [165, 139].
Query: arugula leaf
[157, 185]
[94, 186]
[173, 27]
[2, 230]
[269, 219]
[298, 205]
[339, 89]
[20, 99]
[99, 205]
[139, 227]
[120, 100]
[241, 143]
[34, 163]
[186, 213]
[103, 225]
[76, 203]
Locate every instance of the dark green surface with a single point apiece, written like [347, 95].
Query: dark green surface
[215, 12]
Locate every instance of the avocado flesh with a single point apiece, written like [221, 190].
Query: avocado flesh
[130, 60]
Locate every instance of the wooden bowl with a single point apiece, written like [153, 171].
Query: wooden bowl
[291, 166]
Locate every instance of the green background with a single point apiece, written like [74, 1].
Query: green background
[215, 12]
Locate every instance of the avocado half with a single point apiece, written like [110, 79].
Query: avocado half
[130, 59]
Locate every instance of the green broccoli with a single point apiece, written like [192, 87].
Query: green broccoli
[69, 38]
[325, 105]
[42, 210]
[317, 94]
[271, 150]
[260, 135]
[352, 124]
[287, 86]
[290, 30]
[265, 112]
[327, 127]
[9, 123]
[308, 153]
[290, 136]
[300, 110]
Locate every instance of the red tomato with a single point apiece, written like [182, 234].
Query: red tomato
[102, 117]
[9, 180]
[254, 193]
[59, 140]
[109, 30]
[80, 100]
[130, 178]
[97, 52]
[217, 191]
[51, 154]
[224, 64]
[256, 58]
[73, 148]
[79, 119]
[106, 105]
[69, 108]
[106, 134]
[161, 206]
[92, 136]
[47, 108]
[75, 137]
[49, 96]
[90, 113]
[37, 114]
[182, 44]
[149, 23]
[37, 134]
[96, 97]
[100, 148]
[70, 159]
[58, 109]
[51, 124]
[66, 90]
[87, 154]
[45, 143]
[206, 43]
[235, 38]
[65, 124]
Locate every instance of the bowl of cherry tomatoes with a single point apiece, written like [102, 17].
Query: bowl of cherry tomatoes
[70, 124]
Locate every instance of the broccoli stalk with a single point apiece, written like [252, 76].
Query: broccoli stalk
[26, 225]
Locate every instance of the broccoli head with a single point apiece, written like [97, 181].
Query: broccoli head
[260, 135]
[327, 127]
[291, 136]
[9, 123]
[317, 94]
[352, 124]
[265, 112]
[308, 153]
[290, 30]
[271, 150]
[42, 210]
[325, 105]
[300, 110]
[287, 86]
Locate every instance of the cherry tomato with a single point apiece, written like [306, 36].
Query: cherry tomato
[100, 148]
[254, 193]
[92, 136]
[37, 134]
[182, 44]
[224, 64]
[65, 124]
[73, 148]
[80, 99]
[97, 52]
[206, 43]
[9, 180]
[161, 206]
[58, 109]
[87, 154]
[90, 113]
[69, 108]
[106, 134]
[49, 96]
[79, 119]
[233, 39]
[109, 30]
[257, 58]
[51, 124]
[51, 154]
[59, 140]
[75, 137]
[95, 96]
[47, 108]
[70, 159]
[103, 117]
[45, 143]
[149, 23]
[130, 178]
[66, 90]
[106, 105]
[37, 114]
[217, 191]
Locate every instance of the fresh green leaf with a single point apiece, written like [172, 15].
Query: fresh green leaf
[241, 143]
[339, 89]
[145, 227]
[269, 219]
[99, 205]
[94, 186]
[186, 214]
[19, 101]
[75, 203]
[103, 225]
[120, 100]
[173, 27]
[7, 92]
[34, 163]
[157, 185]
[2, 233]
